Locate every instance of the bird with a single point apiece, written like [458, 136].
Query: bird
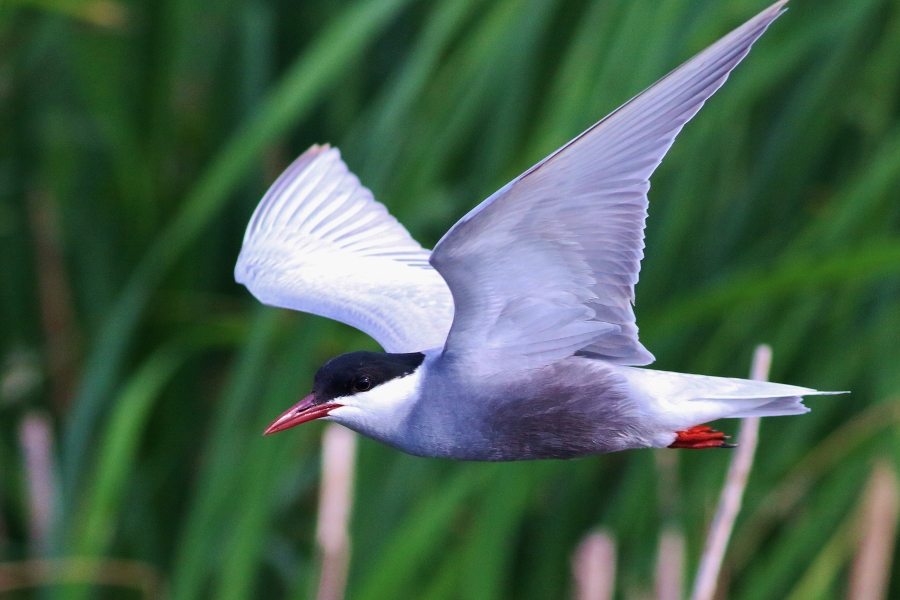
[515, 337]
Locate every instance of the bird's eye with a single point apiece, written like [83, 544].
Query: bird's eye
[362, 384]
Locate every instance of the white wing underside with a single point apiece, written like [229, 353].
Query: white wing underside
[546, 266]
[318, 242]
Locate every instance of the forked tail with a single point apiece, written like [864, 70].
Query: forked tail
[682, 400]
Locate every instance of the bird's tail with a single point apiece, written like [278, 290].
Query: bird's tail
[776, 407]
[726, 398]
[694, 399]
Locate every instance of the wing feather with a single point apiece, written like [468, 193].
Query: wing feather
[318, 242]
[561, 245]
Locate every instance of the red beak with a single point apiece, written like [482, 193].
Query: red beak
[303, 411]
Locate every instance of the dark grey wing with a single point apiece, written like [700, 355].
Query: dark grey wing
[547, 265]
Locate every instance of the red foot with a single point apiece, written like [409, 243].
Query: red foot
[701, 436]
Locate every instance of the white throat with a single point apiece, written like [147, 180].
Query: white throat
[380, 412]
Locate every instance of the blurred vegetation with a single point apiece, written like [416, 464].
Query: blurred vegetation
[136, 138]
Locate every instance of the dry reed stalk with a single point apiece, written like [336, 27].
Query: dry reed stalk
[667, 488]
[793, 488]
[56, 306]
[670, 564]
[669, 575]
[112, 572]
[870, 574]
[594, 567]
[732, 492]
[36, 440]
[4, 538]
[335, 503]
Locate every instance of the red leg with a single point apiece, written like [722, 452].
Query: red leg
[701, 436]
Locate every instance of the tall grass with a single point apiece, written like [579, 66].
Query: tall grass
[136, 138]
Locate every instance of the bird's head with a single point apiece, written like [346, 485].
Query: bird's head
[359, 390]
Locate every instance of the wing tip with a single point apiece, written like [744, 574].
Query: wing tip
[779, 6]
[317, 149]
[772, 11]
[746, 34]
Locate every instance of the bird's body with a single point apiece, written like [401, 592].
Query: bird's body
[515, 337]
[573, 407]
[570, 408]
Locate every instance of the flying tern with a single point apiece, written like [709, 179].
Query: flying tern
[515, 337]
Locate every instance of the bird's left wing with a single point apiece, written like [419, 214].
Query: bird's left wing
[318, 242]
[546, 266]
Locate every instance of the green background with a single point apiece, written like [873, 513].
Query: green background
[137, 137]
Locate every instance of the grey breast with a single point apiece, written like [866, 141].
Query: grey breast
[574, 407]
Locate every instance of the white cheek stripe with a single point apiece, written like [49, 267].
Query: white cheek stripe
[381, 408]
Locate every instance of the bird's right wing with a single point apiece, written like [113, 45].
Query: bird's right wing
[319, 242]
